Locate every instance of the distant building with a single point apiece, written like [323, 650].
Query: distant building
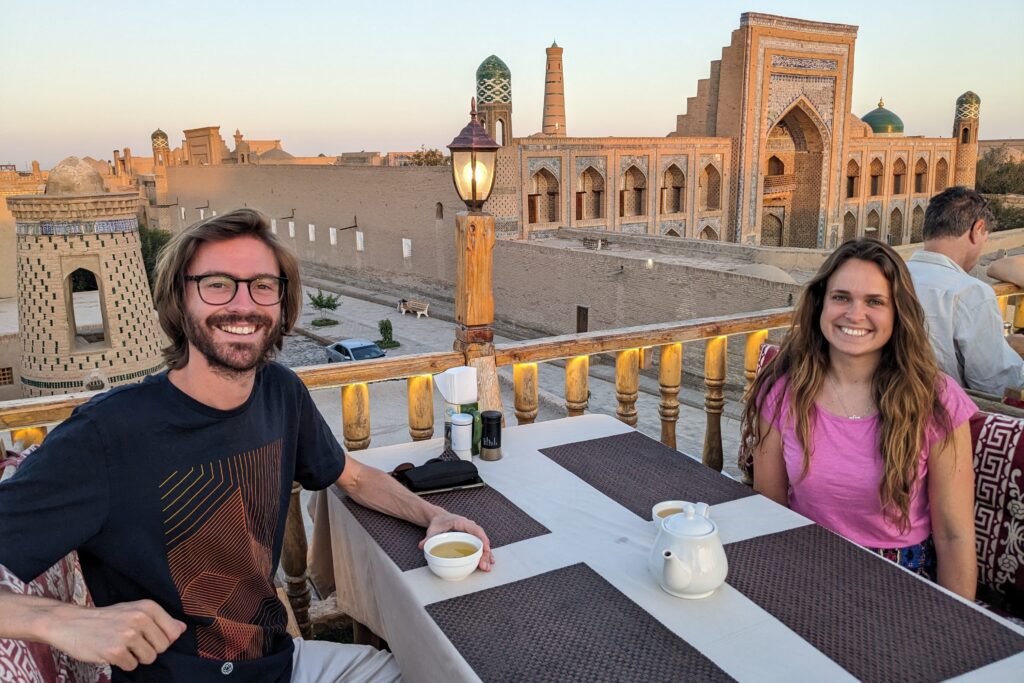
[767, 152]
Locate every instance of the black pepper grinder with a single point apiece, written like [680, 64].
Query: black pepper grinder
[490, 440]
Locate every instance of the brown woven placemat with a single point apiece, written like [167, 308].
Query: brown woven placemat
[500, 518]
[566, 625]
[636, 472]
[869, 616]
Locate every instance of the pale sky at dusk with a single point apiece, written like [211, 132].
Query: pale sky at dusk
[86, 78]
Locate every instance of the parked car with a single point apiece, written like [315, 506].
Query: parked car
[352, 349]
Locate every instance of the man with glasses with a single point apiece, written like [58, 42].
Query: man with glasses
[174, 491]
[964, 321]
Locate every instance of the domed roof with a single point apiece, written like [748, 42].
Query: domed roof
[492, 67]
[968, 98]
[883, 121]
[158, 134]
[276, 153]
[74, 177]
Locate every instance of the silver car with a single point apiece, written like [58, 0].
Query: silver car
[352, 349]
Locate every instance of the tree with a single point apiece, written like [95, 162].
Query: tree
[387, 339]
[429, 157]
[997, 174]
[323, 303]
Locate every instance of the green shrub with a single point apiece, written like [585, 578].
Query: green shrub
[387, 339]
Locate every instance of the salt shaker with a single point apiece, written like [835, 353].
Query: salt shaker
[462, 435]
[490, 441]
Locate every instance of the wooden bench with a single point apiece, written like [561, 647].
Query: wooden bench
[413, 306]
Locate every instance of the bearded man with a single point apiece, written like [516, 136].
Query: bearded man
[174, 491]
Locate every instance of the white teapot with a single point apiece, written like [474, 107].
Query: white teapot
[688, 559]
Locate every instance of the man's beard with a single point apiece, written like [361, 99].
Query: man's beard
[232, 359]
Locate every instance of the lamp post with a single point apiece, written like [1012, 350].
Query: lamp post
[474, 155]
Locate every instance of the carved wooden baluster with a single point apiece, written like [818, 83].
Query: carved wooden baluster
[355, 412]
[293, 562]
[577, 371]
[750, 355]
[627, 384]
[714, 380]
[421, 407]
[1002, 305]
[524, 376]
[669, 378]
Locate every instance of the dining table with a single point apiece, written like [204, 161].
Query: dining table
[571, 596]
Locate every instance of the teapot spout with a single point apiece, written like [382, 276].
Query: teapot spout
[676, 574]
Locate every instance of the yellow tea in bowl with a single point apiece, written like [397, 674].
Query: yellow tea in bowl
[669, 511]
[453, 549]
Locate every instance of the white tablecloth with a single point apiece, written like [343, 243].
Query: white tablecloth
[586, 526]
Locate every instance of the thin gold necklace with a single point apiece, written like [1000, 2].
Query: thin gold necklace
[839, 398]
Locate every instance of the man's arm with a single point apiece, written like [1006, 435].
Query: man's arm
[124, 635]
[1008, 269]
[990, 364]
[374, 489]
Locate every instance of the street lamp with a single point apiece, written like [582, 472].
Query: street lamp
[474, 154]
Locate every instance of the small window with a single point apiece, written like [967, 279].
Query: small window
[6, 376]
[406, 248]
[291, 229]
[312, 233]
[334, 236]
[182, 212]
[273, 225]
[202, 214]
[439, 211]
[360, 246]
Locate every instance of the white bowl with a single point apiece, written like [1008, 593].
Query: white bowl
[453, 568]
[665, 505]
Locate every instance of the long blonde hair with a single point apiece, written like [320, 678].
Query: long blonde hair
[905, 384]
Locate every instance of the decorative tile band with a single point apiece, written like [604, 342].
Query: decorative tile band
[39, 384]
[136, 375]
[790, 62]
[118, 225]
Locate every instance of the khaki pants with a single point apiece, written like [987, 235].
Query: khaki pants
[319, 662]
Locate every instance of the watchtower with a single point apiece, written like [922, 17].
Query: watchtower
[494, 99]
[965, 130]
[85, 313]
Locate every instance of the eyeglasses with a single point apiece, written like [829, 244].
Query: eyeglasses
[218, 289]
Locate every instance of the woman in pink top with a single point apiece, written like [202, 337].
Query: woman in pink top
[854, 426]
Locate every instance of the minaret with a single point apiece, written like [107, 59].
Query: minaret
[161, 149]
[494, 99]
[965, 130]
[85, 314]
[554, 94]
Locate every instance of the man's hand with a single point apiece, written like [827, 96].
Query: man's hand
[446, 521]
[123, 635]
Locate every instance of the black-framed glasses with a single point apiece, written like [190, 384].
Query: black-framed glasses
[218, 289]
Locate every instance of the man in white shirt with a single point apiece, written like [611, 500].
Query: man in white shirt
[964, 321]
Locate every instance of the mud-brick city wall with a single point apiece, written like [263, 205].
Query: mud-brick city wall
[536, 287]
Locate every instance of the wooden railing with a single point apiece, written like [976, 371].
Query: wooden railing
[27, 420]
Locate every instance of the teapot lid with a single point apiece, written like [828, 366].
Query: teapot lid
[692, 521]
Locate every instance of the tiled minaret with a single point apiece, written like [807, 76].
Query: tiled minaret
[965, 130]
[75, 232]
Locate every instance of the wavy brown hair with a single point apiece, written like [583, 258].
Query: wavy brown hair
[177, 255]
[905, 385]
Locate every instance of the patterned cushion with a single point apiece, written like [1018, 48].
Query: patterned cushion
[38, 662]
[999, 509]
[745, 458]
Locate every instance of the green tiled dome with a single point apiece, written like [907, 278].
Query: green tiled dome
[492, 67]
[883, 121]
[968, 98]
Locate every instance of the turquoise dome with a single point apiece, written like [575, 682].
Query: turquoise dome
[493, 82]
[883, 121]
[492, 67]
[968, 98]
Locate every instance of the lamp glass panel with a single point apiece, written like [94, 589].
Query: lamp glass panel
[462, 170]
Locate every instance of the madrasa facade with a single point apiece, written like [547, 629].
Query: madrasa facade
[768, 153]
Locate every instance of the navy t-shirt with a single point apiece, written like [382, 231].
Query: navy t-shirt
[168, 499]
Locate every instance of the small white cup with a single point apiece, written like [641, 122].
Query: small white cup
[658, 512]
[453, 568]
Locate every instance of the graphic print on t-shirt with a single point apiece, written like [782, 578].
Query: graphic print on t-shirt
[219, 520]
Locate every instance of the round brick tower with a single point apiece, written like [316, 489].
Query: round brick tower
[965, 130]
[76, 236]
[554, 94]
[161, 148]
